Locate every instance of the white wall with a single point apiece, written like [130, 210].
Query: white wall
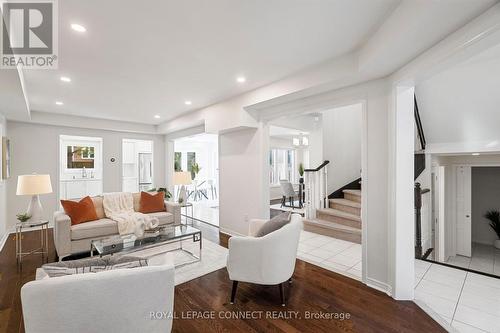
[3, 183]
[243, 180]
[466, 93]
[35, 148]
[485, 197]
[316, 144]
[342, 144]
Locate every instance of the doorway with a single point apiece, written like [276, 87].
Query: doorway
[198, 155]
[137, 165]
[327, 194]
[465, 188]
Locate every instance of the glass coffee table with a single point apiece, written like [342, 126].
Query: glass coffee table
[165, 235]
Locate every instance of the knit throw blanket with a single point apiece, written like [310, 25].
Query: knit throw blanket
[119, 207]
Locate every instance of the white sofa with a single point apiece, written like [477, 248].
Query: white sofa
[121, 300]
[267, 260]
[71, 239]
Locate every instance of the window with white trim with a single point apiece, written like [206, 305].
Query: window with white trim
[282, 165]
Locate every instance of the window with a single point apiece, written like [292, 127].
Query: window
[191, 159]
[178, 161]
[80, 157]
[282, 166]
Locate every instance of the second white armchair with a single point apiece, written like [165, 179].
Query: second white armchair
[267, 260]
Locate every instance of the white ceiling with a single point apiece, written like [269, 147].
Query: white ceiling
[136, 60]
[462, 104]
[140, 59]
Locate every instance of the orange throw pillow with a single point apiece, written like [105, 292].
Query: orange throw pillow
[152, 203]
[79, 212]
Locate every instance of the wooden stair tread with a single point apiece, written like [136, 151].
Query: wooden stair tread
[353, 192]
[346, 202]
[333, 225]
[339, 213]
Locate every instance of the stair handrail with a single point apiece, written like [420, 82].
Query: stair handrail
[316, 181]
[418, 122]
[321, 166]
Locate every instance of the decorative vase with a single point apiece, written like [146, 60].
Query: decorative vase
[301, 180]
[497, 243]
[139, 230]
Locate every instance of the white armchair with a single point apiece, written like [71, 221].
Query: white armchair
[122, 300]
[267, 260]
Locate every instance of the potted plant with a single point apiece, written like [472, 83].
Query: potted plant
[23, 217]
[166, 192]
[301, 173]
[494, 217]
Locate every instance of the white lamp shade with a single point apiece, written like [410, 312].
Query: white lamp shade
[33, 184]
[182, 178]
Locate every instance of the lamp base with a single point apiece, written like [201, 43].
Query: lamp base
[35, 209]
[183, 194]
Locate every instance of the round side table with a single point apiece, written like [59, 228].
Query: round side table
[44, 240]
[187, 205]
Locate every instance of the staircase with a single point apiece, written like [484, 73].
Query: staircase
[342, 218]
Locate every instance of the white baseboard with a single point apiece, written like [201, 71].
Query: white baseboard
[4, 240]
[380, 286]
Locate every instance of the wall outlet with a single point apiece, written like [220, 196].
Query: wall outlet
[245, 217]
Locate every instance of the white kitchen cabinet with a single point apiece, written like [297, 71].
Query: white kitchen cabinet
[79, 188]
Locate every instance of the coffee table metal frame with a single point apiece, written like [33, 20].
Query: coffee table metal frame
[123, 244]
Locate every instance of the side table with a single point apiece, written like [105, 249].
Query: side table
[186, 206]
[44, 240]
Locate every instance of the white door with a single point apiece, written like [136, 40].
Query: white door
[464, 210]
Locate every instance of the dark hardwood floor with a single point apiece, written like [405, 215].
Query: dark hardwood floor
[313, 290]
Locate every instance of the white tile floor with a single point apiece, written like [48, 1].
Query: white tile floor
[469, 302]
[485, 258]
[330, 253]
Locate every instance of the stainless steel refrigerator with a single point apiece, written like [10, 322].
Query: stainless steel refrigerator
[145, 171]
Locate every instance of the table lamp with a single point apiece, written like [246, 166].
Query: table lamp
[182, 178]
[34, 185]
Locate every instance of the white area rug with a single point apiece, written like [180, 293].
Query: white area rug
[213, 258]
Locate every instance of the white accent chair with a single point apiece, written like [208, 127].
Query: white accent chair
[289, 193]
[267, 260]
[121, 300]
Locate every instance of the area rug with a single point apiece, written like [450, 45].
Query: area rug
[213, 257]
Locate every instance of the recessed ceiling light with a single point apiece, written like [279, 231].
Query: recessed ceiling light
[65, 79]
[59, 103]
[188, 102]
[241, 79]
[78, 27]
[157, 116]
[475, 154]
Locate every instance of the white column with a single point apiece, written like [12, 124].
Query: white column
[402, 183]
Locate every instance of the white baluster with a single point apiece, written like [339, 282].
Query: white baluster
[326, 204]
